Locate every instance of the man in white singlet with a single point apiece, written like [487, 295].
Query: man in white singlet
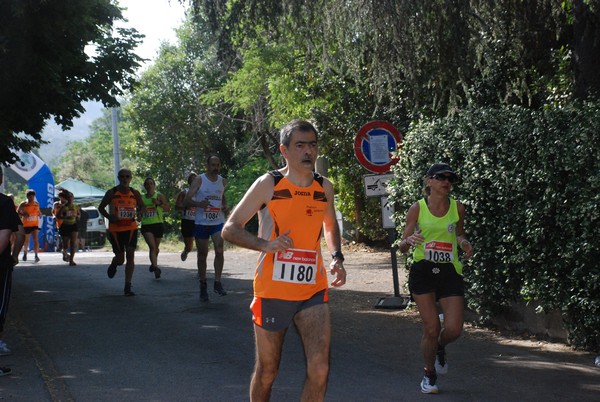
[207, 195]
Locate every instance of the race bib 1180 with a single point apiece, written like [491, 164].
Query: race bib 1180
[295, 266]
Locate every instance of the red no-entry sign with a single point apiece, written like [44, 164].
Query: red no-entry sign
[374, 143]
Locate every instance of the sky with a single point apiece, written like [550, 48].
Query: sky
[157, 19]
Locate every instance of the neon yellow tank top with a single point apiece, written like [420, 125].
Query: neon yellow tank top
[440, 236]
[154, 213]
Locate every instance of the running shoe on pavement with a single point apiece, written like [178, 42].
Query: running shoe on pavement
[184, 255]
[157, 272]
[219, 289]
[203, 292]
[428, 384]
[5, 371]
[127, 291]
[37, 259]
[4, 349]
[111, 271]
[441, 365]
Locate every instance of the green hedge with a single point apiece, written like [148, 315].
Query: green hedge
[531, 183]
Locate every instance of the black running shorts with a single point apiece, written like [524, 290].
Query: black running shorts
[439, 278]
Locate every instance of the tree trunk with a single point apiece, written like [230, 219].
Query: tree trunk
[586, 50]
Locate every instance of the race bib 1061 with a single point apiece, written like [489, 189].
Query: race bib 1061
[295, 266]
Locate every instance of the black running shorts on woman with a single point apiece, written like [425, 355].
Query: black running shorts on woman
[441, 278]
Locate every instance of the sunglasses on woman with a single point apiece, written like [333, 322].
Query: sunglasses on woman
[440, 177]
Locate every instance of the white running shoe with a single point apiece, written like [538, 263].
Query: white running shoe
[428, 384]
[4, 349]
[441, 365]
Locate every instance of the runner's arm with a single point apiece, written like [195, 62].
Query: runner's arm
[234, 231]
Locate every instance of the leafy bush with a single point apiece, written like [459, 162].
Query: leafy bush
[530, 181]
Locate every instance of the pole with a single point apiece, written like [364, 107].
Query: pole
[392, 237]
[397, 301]
[115, 134]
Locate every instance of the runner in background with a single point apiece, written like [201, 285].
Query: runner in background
[153, 227]
[69, 213]
[30, 213]
[207, 194]
[188, 217]
[124, 206]
[58, 222]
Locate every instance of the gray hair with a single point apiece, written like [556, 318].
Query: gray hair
[285, 136]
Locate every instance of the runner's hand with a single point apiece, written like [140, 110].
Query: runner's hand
[337, 268]
[280, 243]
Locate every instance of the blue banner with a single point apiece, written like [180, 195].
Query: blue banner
[40, 178]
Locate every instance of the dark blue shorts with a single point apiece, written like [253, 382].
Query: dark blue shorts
[205, 231]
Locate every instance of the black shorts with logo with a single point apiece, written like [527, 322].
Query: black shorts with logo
[434, 277]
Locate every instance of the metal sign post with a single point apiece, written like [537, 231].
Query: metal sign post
[374, 145]
[398, 301]
[376, 185]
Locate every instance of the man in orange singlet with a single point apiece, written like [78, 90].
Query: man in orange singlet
[295, 207]
[125, 204]
[30, 213]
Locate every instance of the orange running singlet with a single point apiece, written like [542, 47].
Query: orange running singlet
[33, 211]
[298, 273]
[124, 206]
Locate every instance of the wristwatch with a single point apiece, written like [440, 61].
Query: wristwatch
[338, 255]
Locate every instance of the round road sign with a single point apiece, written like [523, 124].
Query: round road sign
[374, 144]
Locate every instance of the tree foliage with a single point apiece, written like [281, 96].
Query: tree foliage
[92, 160]
[45, 70]
[175, 131]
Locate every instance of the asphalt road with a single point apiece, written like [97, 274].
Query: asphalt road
[75, 337]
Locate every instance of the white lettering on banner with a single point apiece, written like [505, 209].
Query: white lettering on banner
[295, 266]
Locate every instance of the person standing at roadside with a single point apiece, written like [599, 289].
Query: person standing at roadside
[206, 194]
[435, 227]
[60, 247]
[153, 227]
[125, 204]
[188, 218]
[30, 213]
[68, 231]
[295, 207]
[9, 256]
[82, 225]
